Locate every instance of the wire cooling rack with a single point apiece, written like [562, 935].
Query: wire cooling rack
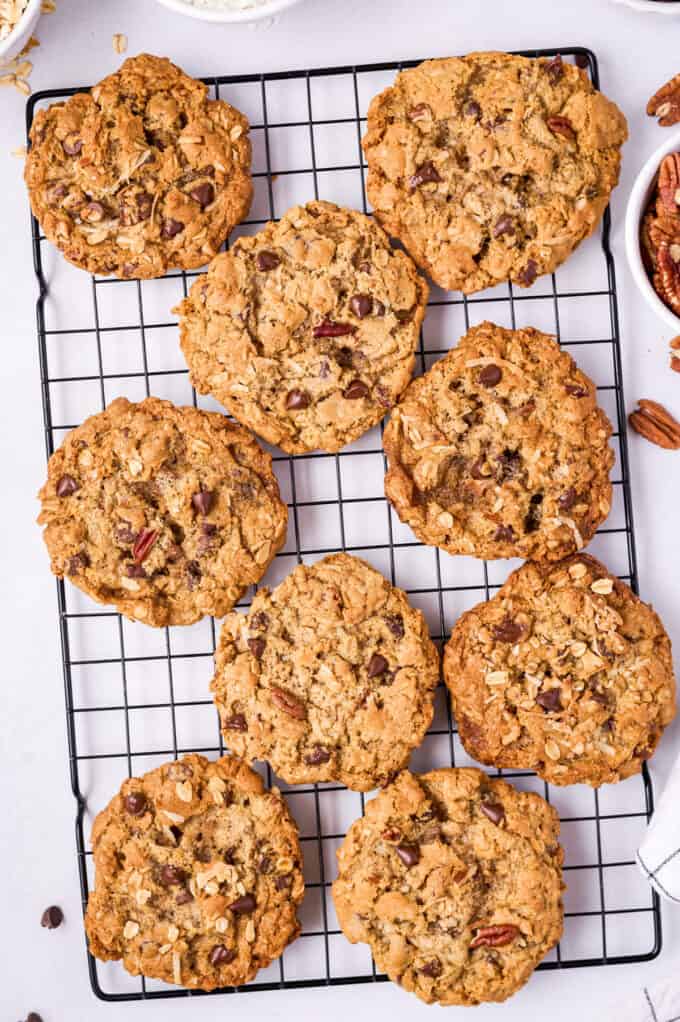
[137, 696]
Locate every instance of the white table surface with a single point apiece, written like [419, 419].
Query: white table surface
[46, 971]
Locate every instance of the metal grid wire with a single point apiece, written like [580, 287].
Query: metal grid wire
[137, 696]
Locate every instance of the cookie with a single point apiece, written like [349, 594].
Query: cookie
[454, 880]
[501, 450]
[197, 875]
[307, 331]
[329, 677]
[167, 513]
[140, 175]
[492, 167]
[565, 672]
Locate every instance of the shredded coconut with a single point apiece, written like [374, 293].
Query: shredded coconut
[226, 5]
[10, 15]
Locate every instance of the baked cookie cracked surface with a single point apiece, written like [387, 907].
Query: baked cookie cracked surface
[454, 880]
[140, 175]
[197, 875]
[307, 331]
[500, 449]
[329, 677]
[167, 513]
[491, 167]
[565, 672]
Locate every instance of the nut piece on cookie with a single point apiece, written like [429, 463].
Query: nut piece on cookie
[500, 449]
[565, 672]
[198, 875]
[140, 175]
[167, 513]
[491, 167]
[329, 677]
[454, 880]
[306, 332]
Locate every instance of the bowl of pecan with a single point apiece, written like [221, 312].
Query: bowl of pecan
[653, 231]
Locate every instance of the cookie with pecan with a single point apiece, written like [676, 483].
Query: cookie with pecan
[565, 672]
[500, 449]
[454, 880]
[329, 677]
[167, 513]
[198, 875]
[492, 167]
[140, 175]
[307, 331]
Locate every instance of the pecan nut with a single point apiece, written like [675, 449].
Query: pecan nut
[667, 277]
[495, 936]
[653, 422]
[562, 126]
[665, 104]
[289, 703]
[669, 186]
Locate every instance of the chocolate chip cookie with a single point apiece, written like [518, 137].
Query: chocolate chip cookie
[142, 174]
[454, 880]
[197, 875]
[492, 167]
[501, 450]
[307, 331]
[565, 671]
[167, 513]
[329, 677]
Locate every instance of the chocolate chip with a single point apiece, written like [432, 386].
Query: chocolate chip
[264, 865]
[243, 905]
[567, 499]
[135, 803]
[324, 370]
[257, 647]
[203, 194]
[317, 756]
[581, 60]
[473, 109]
[378, 309]
[184, 897]
[532, 519]
[194, 574]
[409, 854]
[361, 305]
[377, 665]
[425, 173]
[490, 375]
[144, 205]
[344, 357]
[508, 631]
[33, 1016]
[504, 225]
[170, 228]
[124, 534]
[135, 571]
[504, 534]
[72, 145]
[259, 620]
[528, 275]
[237, 722]
[170, 875]
[608, 727]
[493, 811]
[283, 881]
[575, 390]
[403, 315]
[52, 917]
[395, 623]
[297, 399]
[554, 69]
[77, 562]
[355, 390]
[600, 697]
[203, 501]
[66, 486]
[550, 700]
[267, 261]
[329, 328]
[221, 955]
[509, 464]
[432, 969]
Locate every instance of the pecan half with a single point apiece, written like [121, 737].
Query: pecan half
[665, 104]
[289, 703]
[495, 936]
[675, 359]
[667, 277]
[653, 422]
[669, 186]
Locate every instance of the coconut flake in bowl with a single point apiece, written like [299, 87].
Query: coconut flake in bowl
[10, 16]
[228, 11]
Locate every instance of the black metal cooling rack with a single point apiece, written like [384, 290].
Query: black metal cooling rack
[137, 696]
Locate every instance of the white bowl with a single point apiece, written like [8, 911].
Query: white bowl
[652, 6]
[23, 30]
[226, 17]
[637, 204]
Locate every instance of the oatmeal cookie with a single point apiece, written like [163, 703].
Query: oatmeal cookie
[140, 175]
[197, 875]
[307, 331]
[167, 513]
[501, 450]
[454, 880]
[565, 671]
[330, 677]
[492, 167]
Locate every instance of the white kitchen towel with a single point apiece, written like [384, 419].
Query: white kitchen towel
[658, 1002]
[659, 853]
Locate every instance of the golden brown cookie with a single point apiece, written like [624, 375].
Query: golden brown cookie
[140, 175]
[307, 331]
[492, 167]
[329, 677]
[454, 880]
[197, 875]
[501, 450]
[565, 671]
[167, 513]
